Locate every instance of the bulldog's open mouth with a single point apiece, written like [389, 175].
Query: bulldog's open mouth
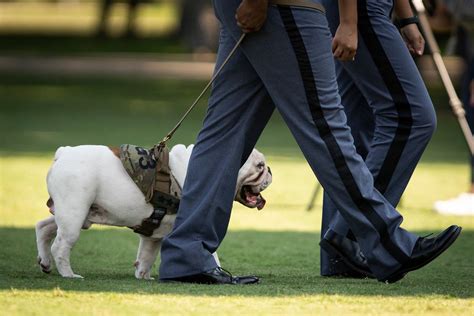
[252, 199]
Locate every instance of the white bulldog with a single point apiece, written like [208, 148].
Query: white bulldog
[89, 185]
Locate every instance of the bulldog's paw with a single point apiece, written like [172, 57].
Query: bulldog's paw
[74, 276]
[45, 265]
[141, 273]
[70, 275]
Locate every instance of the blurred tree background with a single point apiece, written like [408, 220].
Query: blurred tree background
[174, 26]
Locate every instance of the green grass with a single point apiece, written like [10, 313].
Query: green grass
[279, 243]
[64, 44]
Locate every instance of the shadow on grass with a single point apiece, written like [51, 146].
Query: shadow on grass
[288, 263]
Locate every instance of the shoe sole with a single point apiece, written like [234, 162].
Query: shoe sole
[194, 281]
[400, 274]
[202, 280]
[327, 246]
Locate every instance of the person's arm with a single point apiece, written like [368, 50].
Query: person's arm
[410, 32]
[344, 44]
[251, 15]
[403, 9]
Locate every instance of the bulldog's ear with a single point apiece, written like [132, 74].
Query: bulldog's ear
[255, 150]
[190, 148]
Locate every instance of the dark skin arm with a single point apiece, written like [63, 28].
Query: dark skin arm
[344, 44]
[251, 15]
[410, 33]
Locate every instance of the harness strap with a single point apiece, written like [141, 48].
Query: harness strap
[151, 223]
[158, 193]
[166, 201]
[163, 204]
[299, 3]
[163, 172]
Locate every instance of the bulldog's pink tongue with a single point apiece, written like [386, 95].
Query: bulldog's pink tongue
[255, 199]
[251, 197]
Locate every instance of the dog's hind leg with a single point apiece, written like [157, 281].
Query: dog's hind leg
[147, 252]
[45, 232]
[69, 228]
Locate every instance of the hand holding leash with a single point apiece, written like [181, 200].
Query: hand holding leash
[251, 15]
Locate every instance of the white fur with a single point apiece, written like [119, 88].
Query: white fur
[179, 160]
[89, 185]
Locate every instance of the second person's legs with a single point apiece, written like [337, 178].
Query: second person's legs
[404, 117]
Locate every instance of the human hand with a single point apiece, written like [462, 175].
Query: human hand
[344, 44]
[251, 15]
[413, 39]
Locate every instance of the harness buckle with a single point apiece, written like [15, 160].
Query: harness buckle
[151, 223]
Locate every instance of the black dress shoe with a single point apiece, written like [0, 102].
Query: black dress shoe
[425, 251]
[339, 269]
[348, 251]
[215, 276]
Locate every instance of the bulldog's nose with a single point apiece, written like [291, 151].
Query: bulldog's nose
[269, 171]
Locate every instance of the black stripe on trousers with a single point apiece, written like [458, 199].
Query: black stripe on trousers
[330, 141]
[402, 106]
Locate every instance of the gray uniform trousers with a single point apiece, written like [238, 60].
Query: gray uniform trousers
[388, 109]
[288, 65]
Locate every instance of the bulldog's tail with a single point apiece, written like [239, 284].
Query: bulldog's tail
[59, 151]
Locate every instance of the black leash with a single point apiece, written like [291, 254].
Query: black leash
[216, 74]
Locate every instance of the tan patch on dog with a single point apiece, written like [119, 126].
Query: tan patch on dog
[115, 150]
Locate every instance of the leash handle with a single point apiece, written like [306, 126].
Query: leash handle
[171, 133]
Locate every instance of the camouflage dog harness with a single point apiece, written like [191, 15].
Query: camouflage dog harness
[149, 169]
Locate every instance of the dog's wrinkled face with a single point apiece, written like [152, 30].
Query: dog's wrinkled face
[254, 177]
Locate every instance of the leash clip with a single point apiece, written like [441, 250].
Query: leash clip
[164, 141]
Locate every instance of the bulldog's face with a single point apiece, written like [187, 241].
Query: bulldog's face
[254, 177]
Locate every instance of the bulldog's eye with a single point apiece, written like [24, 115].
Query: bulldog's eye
[261, 165]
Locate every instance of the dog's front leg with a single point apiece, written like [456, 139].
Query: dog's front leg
[146, 256]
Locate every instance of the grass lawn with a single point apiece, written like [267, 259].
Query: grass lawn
[279, 243]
